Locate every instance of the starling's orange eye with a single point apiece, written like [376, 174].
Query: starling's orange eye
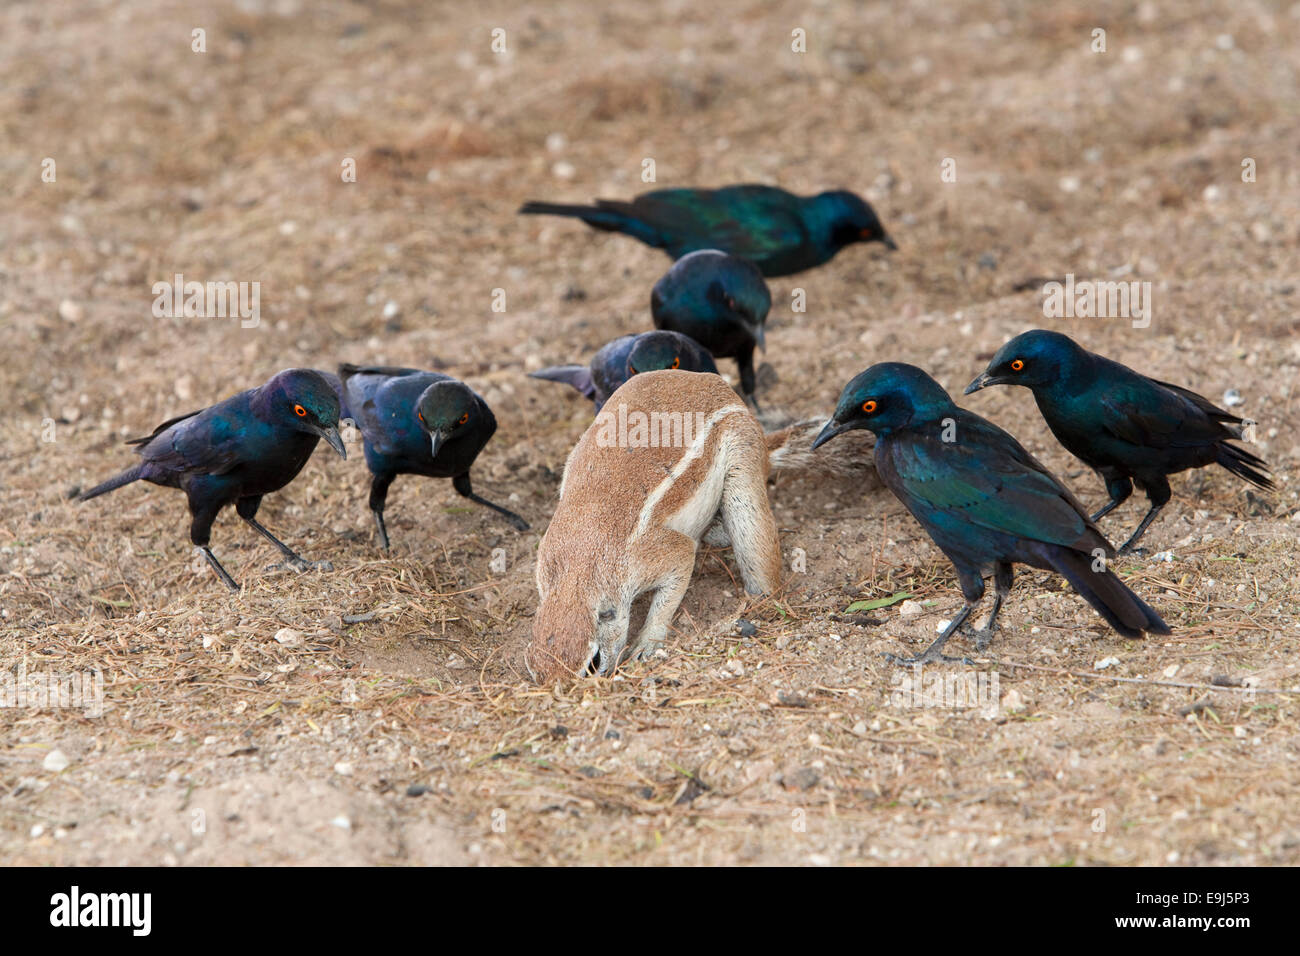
[464, 418]
[869, 406]
[300, 411]
[1017, 365]
[677, 362]
[419, 415]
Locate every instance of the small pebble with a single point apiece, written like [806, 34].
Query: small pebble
[288, 636]
[805, 778]
[56, 761]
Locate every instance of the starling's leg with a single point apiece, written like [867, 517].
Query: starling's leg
[1003, 575]
[378, 495]
[933, 654]
[1129, 546]
[745, 364]
[216, 566]
[247, 508]
[1158, 494]
[1119, 489]
[972, 589]
[201, 519]
[462, 485]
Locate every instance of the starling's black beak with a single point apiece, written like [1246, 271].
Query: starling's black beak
[889, 243]
[331, 435]
[981, 381]
[832, 429]
[436, 442]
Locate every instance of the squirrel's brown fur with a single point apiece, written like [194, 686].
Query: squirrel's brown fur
[631, 517]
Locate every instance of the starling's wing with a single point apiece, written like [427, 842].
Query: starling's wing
[208, 442]
[1212, 411]
[1152, 414]
[161, 428]
[383, 401]
[388, 371]
[984, 477]
[752, 222]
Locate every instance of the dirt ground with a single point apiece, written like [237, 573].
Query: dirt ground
[270, 727]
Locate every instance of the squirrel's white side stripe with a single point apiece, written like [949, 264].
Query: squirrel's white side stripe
[696, 449]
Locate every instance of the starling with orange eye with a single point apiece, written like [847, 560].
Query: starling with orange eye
[1128, 428]
[779, 232]
[617, 361]
[236, 451]
[985, 501]
[719, 301]
[417, 423]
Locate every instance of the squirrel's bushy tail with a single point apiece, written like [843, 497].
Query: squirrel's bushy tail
[790, 448]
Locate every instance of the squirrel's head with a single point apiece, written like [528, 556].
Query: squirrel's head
[578, 632]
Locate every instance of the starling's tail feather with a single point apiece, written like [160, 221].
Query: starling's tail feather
[579, 376]
[593, 216]
[1243, 464]
[117, 481]
[609, 215]
[1123, 610]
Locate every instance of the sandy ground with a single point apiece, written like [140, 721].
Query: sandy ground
[413, 736]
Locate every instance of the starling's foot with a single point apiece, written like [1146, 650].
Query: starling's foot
[1134, 550]
[519, 523]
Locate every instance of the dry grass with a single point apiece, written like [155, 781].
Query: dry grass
[402, 670]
